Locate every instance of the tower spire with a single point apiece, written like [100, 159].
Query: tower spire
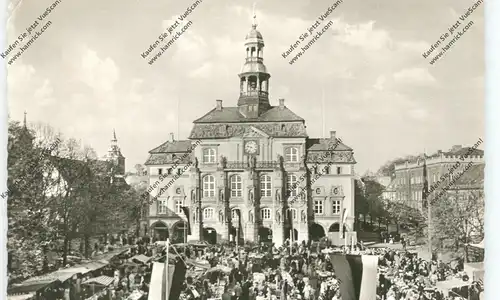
[254, 21]
[24, 121]
[114, 136]
[254, 78]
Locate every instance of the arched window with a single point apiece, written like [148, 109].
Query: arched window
[208, 186]
[265, 213]
[208, 213]
[209, 155]
[291, 184]
[265, 185]
[236, 186]
[291, 154]
[234, 214]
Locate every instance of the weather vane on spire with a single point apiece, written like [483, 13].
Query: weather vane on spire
[254, 22]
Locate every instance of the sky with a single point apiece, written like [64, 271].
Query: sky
[85, 75]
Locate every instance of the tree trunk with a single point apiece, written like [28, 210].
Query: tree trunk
[137, 226]
[65, 247]
[397, 227]
[87, 245]
[82, 246]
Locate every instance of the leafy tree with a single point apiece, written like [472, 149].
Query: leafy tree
[360, 202]
[457, 218]
[57, 192]
[402, 214]
[139, 169]
[388, 168]
[31, 225]
[373, 194]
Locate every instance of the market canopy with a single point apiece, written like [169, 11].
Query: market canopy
[101, 280]
[141, 258]
[220, 268]
[21, 297]
[29, 287]
[478, 245]
[111, 254]
[199, 264]
[61, 275]
[475, 270]
[451, 284]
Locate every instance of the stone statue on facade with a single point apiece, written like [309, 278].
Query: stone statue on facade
[222, 162]
[196, 162]
[221, 216]
[250, 196]
[253, 161]
[250, 216]
[280, 160]
[278, 217]
[221, 195]
[303, 216]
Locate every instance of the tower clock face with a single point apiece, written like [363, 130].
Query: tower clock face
[251, 147]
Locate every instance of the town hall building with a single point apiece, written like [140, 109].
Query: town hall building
[250, 172]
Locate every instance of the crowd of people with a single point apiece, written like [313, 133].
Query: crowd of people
[306, 272]
[260, 272]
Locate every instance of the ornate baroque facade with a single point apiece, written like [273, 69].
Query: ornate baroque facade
[251, 161]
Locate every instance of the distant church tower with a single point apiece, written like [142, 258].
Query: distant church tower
[25, 137]
[254, 78]
[115, 155]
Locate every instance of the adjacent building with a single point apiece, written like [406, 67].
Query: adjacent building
[458, 171]
[251, 171]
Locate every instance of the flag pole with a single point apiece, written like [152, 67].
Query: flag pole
[166, 271]
[425, 199]
[185, 237]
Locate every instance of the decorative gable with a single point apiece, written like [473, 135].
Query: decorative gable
[252, 132]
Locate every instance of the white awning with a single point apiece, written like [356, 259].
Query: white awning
[478, 245]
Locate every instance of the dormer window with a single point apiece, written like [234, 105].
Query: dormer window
[209, 155]
[291, 154]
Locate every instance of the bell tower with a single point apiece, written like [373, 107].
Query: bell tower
[254, 78]
[115, 155]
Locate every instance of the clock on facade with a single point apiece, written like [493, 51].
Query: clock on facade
[251, 147]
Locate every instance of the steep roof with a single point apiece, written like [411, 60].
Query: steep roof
[326, 145]
[232, 114]
[167, 153]
[173, 147]
[166, 158]
[228, 130]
